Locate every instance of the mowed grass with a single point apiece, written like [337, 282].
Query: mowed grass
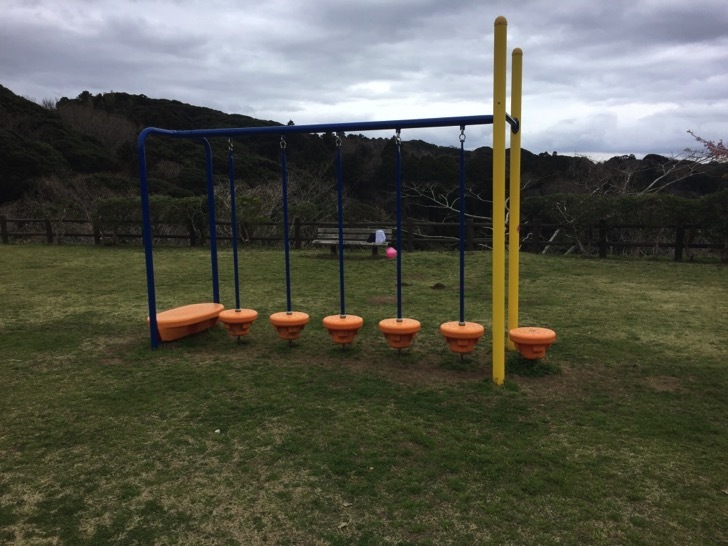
[618, 436]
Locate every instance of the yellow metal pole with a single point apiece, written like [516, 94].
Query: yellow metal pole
[514, 221]
[499, 198]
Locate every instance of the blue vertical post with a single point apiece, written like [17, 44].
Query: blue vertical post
[234, 221]
[147, 236]
[398, 167]
[340, 207]
[212, 221]
[462, 224]
[286, 246]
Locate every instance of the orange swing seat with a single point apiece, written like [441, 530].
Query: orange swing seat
[184, 321]
[532, 342]
[343, 328]
[462, 337]
[238, 321]
[399, 332]
[289, 324]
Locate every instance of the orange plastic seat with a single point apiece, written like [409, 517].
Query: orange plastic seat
[399, 332]
[187, 320]
[343, 328]
[532, 342]
[238, 321]
[289, 324]
[462, 337]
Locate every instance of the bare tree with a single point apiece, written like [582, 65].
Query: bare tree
[111, 130]
[49, 104]
[434, 196]
[627, 175]
[715, 151]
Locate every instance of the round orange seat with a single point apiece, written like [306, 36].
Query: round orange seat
[238, 321]
[343, 328]
[399, 332]
[289, 324]
[461, 337]
[532, 342]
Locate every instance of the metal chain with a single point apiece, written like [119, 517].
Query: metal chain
[283, 142]
[462, 133]
[338, 140]
[230, 144]
[398, 137]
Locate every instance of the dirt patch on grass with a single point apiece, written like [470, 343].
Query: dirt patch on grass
[664, 383]
[383, 300]
[571, 383]
[408, 369]
[112, 362]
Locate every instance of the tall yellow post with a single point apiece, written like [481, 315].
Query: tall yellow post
[499, 198]
[514, 221]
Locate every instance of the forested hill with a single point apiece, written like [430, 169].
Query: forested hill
[84, 148]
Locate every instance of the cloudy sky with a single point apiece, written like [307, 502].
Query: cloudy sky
[600, 78]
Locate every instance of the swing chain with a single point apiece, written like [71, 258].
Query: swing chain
[398, 137]
[283, 142]
[462, 133]
[230, 144]
[338, 140]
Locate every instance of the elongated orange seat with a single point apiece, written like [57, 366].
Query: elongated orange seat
[532, 342]
[187, 320]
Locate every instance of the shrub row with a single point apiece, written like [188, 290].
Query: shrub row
[580, 210]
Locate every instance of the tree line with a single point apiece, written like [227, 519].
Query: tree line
[66, 158]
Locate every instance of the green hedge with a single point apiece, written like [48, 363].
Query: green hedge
[709, 211]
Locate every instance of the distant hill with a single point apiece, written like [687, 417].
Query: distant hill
[91, 140]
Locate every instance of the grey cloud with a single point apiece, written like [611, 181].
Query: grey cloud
[589, 68]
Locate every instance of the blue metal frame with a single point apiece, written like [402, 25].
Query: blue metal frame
[212, 220]
[462, 224]
[234, 222]
[398, 207]
[340, 224]
[286, 242]
[204, 134]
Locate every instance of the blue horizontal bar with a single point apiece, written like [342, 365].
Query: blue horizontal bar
[327, 127]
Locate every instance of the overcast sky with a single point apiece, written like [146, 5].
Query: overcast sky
[600, 78]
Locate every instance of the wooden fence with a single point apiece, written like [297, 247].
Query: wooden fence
[605, 239]
[601, 239]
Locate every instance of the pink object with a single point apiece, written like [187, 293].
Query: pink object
[391, 252]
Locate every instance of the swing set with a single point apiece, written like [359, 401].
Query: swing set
[461, 336]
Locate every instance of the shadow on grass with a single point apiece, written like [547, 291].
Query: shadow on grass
[517, 365]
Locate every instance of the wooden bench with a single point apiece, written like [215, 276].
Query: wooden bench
[329, 236]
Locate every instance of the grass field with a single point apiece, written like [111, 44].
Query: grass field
[618, 437]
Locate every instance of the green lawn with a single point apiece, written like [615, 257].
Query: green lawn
[619, 436]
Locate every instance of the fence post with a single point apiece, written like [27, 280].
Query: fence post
[470, 237]
[679, 243]
[4, 229]
[535, 236]
[603, 239]
[193, 233]
[49, 231]
[97, 233]
[297, 233]
[410, 235]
